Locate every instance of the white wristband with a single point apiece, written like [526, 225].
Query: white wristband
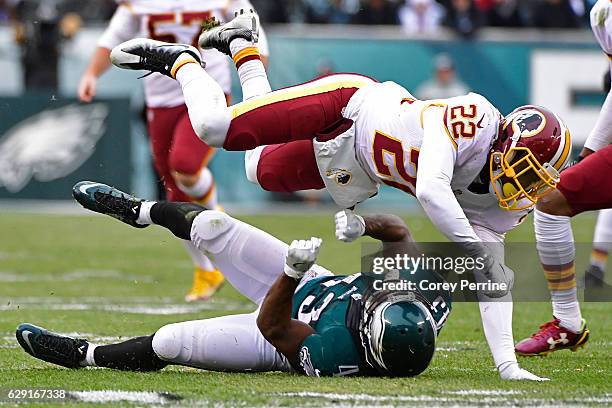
[292, 273]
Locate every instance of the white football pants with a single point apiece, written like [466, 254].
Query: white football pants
[251, 261]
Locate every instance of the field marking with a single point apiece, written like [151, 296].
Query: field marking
[75, 275]
[108, 396]
[142, 305]
[474, 398]
[484, 392]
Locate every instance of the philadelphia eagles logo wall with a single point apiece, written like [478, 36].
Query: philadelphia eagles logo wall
[50, 145]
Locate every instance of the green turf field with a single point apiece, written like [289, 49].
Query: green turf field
[98, 277]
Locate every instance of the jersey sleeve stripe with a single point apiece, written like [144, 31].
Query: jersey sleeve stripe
[286, 94]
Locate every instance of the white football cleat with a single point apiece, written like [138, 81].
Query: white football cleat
[219, 36]
[151, 55]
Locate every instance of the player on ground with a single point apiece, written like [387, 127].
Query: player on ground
[180, 158]
[349, 134]
[310, 321]
[583, 187]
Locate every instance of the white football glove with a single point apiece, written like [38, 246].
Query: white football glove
[514, 372]
[301, 256]
[349, 226]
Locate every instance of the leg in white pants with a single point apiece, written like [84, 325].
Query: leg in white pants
[251, 261]
[227, 343]
[496, 314]
[602, 239]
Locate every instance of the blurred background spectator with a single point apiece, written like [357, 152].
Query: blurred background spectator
[464, 17]
[444, 82]
[556, 14]
[420, 16]
[415, 16]
[40, 28]
[380, 12]
[504, 13]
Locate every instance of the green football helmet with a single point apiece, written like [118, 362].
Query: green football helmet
[398, 333]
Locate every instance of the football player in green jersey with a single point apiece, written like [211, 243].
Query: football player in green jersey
[308, 320]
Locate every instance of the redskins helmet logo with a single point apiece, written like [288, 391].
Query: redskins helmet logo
[528, 123]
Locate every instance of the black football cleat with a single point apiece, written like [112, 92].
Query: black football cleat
[51, 347]
[219, 36]
[593, 277]
[108, 200]
[151, 55]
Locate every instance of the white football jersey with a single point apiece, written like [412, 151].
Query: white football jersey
[177, 21]
[390, 133]
[601, 23]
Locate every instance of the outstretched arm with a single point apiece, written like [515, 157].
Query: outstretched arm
[123, 26]
[433, 189]
[390, 229]
[274, 320]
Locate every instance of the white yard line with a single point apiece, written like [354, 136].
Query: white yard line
[75, 275]
[132, 305]
[139, 397]
[462, 398]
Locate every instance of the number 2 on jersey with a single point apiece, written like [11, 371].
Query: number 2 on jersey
[385, 146]
[186, 19]
[463, 121]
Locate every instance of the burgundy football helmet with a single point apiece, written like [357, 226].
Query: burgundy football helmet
[533, 146]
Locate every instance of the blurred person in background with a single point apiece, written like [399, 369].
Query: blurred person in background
[274, 11]
[96, 10]
[330, 11]
[4, 12]
[420, 16]
[41, 27]
[503, 13]
[325, 67]
[555, 14]
[464, 17]
[377, 12]
[444, 83]
[180, 157]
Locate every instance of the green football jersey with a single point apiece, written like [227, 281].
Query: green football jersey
[324, 304]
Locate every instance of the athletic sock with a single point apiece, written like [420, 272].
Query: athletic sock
[203, 191]
[599, 258]
[251, 71]
[144, 214]
[567, 309]
[133, 355]
[496, 315]
[182, 60]
[555, 244]
[177, 217]
[89, 360]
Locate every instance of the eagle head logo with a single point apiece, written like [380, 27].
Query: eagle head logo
[50, 145]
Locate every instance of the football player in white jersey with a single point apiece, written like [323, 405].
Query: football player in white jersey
[585, 186]
[180, 158]
[479, 174]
